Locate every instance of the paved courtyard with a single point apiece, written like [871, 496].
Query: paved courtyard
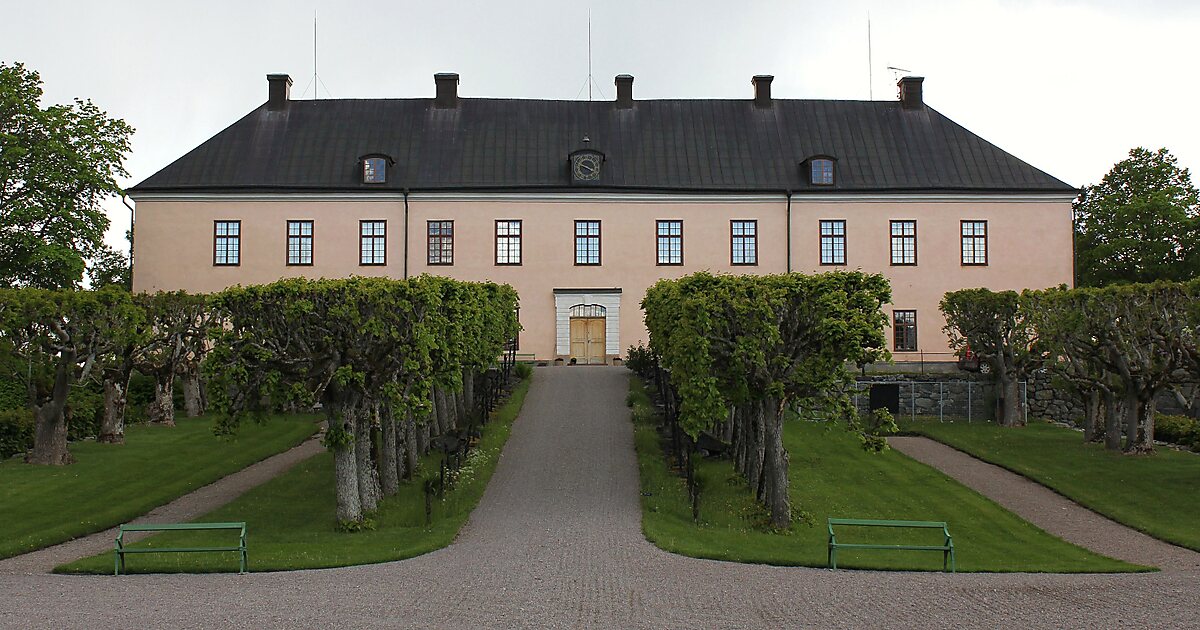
[556, 543]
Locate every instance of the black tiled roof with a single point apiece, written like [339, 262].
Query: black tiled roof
[684, 145]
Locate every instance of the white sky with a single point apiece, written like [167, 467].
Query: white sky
[1068, 86]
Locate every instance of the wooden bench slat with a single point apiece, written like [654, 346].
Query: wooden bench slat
[119, 549]
[884, 523]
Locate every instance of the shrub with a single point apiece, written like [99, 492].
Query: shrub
[640, 360]
[12, 393]
[16, 432]
[523, 370]
[85, 410]
[1179, 430]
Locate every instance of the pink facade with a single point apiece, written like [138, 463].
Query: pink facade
[1028, 245]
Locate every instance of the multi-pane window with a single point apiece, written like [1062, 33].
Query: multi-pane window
[508, 242]
[904, 242]
[822, 171]
[372, 236]
[974, 243]
[227, 242]
[670, 242]
[904, 331]
[375, 170]
[587, 242]
[743, 243]
[441, 242]
[299, 242]
[833, 242]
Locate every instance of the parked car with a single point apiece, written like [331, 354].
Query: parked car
[970, 362]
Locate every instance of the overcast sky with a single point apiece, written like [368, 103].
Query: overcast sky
[1066, 85]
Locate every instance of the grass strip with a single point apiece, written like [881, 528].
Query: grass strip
[291, 524]
[110, 484]
[1155, 494]
[831, 476]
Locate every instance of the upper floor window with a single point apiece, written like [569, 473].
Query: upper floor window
[670, 242]
[743, 242]
[974, 243]
[299, 242]
[372, 242]
[904, 242]
[821, 171]
[508, 242]
[833, 242]
[227, 242]
[441, 242]
[904, 331]
[587, 242]
[374, 170]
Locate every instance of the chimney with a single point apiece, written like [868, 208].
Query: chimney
[279, 90]
[624, 91]
[762, 89]
[910, 93]
[447, 90]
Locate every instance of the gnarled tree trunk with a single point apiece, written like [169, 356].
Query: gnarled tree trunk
[757, 452]
[1008, 401]
[116, 398]
[1112, 422]
[468, 377]
[368, 476]
[345, 466]
[389, 472]
[193, 398]
[460, 408]
[1091, 416]
[775, 467]
[162, 409]
[50, 434]
[410, 446]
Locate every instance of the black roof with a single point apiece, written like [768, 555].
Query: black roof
[657, 145]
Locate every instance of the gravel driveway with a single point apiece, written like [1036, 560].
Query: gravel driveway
[556, 543]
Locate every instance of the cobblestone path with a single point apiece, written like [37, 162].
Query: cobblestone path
[556, 543]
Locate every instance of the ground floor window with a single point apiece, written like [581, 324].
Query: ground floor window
[904, 331]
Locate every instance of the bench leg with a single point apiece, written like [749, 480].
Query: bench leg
[832, 557]
[116, 562]
[243, 569]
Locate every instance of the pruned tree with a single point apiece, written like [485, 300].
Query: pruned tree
[176, 322]
[995, 327]
[60, 336]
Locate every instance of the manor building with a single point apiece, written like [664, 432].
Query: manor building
[581, 205]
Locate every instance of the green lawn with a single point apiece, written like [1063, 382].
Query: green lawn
[1156, 494]
[111, 484]
[832, 476]
[290, 520]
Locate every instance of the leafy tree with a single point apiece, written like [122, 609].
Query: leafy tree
[1141, 223]
[176, 325]
[59, 337]
[56, 165]
[998, 331]
[110, 268]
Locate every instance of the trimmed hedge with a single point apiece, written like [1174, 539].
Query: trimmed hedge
[1179, 430]
[16, 432]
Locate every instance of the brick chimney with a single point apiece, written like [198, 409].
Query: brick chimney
[624, 91]
[762, 89]
[910, 93]
[447, 89]
[279, 90]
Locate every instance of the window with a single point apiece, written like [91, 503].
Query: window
[374, 170]
[508, 242]
[904, 242]
[821, 173]
[670, 242]
[587, 242]
[833, 242]
[904, 331]
[299, 242]
[372, 242]
[974, 243]
[227, 243]
[441, 242]
[743, 243]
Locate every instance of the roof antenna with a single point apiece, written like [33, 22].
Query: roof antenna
[590, 81]
[896, 74]
[870, 64]
[315, 81]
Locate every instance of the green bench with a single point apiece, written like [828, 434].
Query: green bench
[947, 547]
[120, 550]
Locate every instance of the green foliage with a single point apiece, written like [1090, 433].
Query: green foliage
[57, 164]
[523, 370]
[1180, 430]
[1139, 224]
[12, 393]
[85, 410]
[16, 432]
[640, 360]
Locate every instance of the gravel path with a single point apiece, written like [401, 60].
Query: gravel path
[556, 543]
[187, 507]
[1047, 509]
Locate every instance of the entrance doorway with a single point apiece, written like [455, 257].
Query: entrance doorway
[588, 334]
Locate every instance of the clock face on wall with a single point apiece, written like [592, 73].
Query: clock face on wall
[585, 167]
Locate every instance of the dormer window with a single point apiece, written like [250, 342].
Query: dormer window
[820, 171]
[374, 170]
